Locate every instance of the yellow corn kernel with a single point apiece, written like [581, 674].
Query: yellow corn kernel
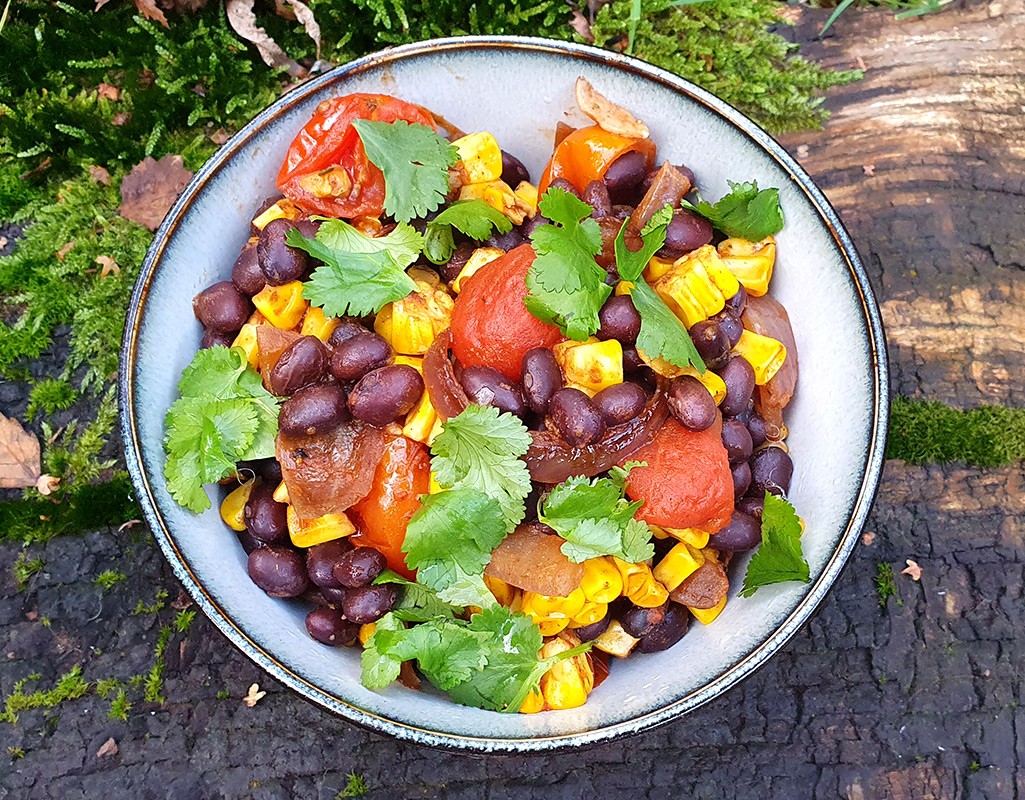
[697, 285]
[623, 287]
[657, 267]
[233, 506]
[706, 615]
[500, 196]
[602, 582]
[283, 306]
[750, 262]
[544, 606]
[332, 181]
[306, 533]
[552, 626]
[283, 209]
[568, 682]
[695, 537]
[651, 595]
[589, 614]
[422, 423]
[715, 385]
[433, 487]
[416, 362]
[657, 532]
[678, 564]
[765, 354]
[480, 157]
[366, 630]
[478, 258]
[615, 641]
[281, 493]
[411, 324]
[246, 339]
[592, 365]
[527, 192]
[503, 592]
[316, 323]
[639, 584]
[534, 702]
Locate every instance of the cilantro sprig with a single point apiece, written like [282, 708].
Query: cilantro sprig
[745, 212]
[224, 416]
[417, 603]
[474, 218]
[779, 557]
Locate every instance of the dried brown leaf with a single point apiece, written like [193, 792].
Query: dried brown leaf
[108, 266]
[242, 19]
[109, 92]
[912, 570]
[868, 538]
[47, 485]
[19, 456]
[100, 175]
[150, 10]
[130, 524]
[219, 136]
[182, 601]
[108, 748]
[606, 114]
[4, 241]
[65, 249]
[580, 24]
[121, 118]
[150, 189]
[254, 695]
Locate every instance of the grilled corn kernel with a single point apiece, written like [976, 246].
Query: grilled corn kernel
[534, 702]
[657, 267]
[433, 487]
[552, 627]
[283, 306]
[316, 323]
[281, 493]
[765, 354]
[678, 564]
[422, 423]
[527, 192]
[283, 209]
[411, 324]
[246, 339]
[592, 365]
[366, 631]
[545, 606]
[233, 506]
[602, 582]
[615, 641]
[478, 258]
[480, 157]
[306, 533]
[697, 285]
[750, 262]
[695, 537]
[715, 385]
[589, 614]
[503, 592]
[651, 595]
[657, 532]
[706, 615]
[640, 586]
[568, 682]
[500, 197]
[332, 181]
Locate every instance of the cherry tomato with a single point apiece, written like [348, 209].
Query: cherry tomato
[687, 481]
[587, 153]
[490, 324]
[402, 476]
[329, 140]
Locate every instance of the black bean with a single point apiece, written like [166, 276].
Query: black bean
[541, 378]
[738, 302]
[307, 227]
[303, 362]
[222, 308]
[387, 393]
[356, 356]
[334, 597]
[737, 440]
[264, 205]
[691, 404]
[321, 560]
[666, 633]
[743, 533]
[745, 415]
[265, 517]
[450, 269]
[279, 571]
[638, 622]
[632, 361]
[620, 402]
[752, 506]
[279, 262]
[369, 603]
[487, 386]
[216, 339]
[506, 241]
[741, 479]
[731, 326]
[313, 410]
[589, 632]
[686, 231]
[359, 567]
[576, 418]
[562, 183]
[739, 378]
[532, 224]
[328, 626]
[771, 471]
[347, 329]
[625, 175]
[596, 195]
[619, 320]
[246, 274]
[711, 342]
[249, 542]
[513, 171]
[622, 211]
[269, 469]
[757, 428]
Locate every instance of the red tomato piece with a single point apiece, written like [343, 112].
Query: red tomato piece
[687, 482]
[490, 324]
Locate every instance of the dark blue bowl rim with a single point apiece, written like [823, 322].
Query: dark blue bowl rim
[875, 447]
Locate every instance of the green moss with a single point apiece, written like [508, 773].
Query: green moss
[154, 681]
[109, 578]
[107, 686]
[156, 606]
[50, 395]
[929, 432]
[356, 786]
[183, 621]
[69, 686]
[120, 706]
[885, 585]
[24, 568]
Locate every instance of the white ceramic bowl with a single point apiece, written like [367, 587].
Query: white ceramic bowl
[519, 89]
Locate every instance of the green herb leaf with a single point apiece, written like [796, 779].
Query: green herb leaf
[403, 242]
[475, 218]
[779, 557]
[631, 263]
[415, 162]
[567, 286]
[417, 603]
[745, 212]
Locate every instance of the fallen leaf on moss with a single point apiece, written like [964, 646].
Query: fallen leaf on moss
[219, 136]
[120, 118]
[580, 24]
[100, 175]
[3, 242]
[130, 524]
[182, 601]
[108, 266]
[912, 570]
[47, 485]
[63, 252]
[19, 456]
[150, 189]
[254, 695]
[242, 19]
[108, 92]
[108, 748]
[148, 8]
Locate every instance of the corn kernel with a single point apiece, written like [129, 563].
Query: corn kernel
[765, 354]
[478, 258]
[332, 181]
[552, 607]
[592, 365]
[366, 631]
[602, 582]
[500, 196]
[750, 262]
[433, 487]
[651, 595]
[706, 615]
[552, 627]
[678, 564]
[316, 323]
[624, 287]
[697, 286]
[422, 423]
[591, 613]
[283, 209]
[283, 306]
[615, 641]
[480, 157]
[503, 592]
[527, 192]
[657, 532]
[639, 584]
[411, 324]
[533, 703]
[306, 533]
[657, 267]
[281, 493]
[695, 537]
[246, 339]
[233, 506]
[568, 682]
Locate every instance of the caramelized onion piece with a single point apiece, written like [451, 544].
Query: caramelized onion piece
[669, 187]
[531, 559]
[271, 342]
[704, 588]
[446, 393]
[766, 316]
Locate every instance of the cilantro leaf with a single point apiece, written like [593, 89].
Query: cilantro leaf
[417, 603]
[415, 162]
[745, 212]
[567, 286]
[475, 218]
[779, 557]
[480, 449]
[382, 657]
[404, 242]
[631, 263]
[596, 520]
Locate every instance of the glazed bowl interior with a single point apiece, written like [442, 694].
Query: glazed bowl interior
[519, 89]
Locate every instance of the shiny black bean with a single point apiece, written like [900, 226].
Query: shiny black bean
[358, 355]
[743, 533]
[752, 506]
[738, 302]
[334, 597]
[506, 241]
[745, 415]
[387, 393]
[619, 320]
[328, 626]
[222, 308]
[532, 224]
[279, 262]
[730, 324]
[576, 418]
[321, 560]
[348, 328]
[562, 183]
[246, 274]
[216, 339]
[737, 440]
[620, 402]
[639, 622]
[450, 270]
[691, 404]
[625, 175]
[757, 428]
[513, 171]
[771, 471]
[369, 603]
[305, 361]
[622, 211]
[739, 378]
[711, 342]
[313, 410]
[632, 361]
[279, 571]
[596, 195]
[541, 378]
[589, 632]
[269, 469]
[307, 227]
[487, 386]
[359, 567]
[666, 633]
[741, 479]
[249, 542]
[265, 517]
[686, 231]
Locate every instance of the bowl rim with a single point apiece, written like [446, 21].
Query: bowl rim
[815, 592]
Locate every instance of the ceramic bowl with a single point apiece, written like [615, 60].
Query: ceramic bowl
[519, 89]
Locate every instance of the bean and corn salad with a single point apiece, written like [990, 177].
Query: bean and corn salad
[494, 431]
